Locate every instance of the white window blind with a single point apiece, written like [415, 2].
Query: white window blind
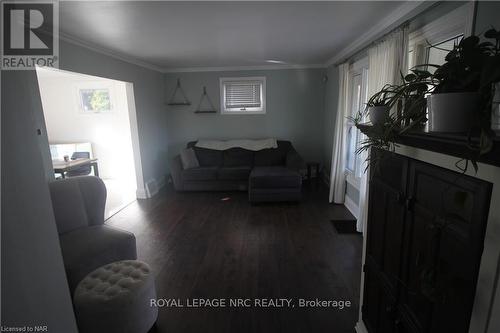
[243, 95]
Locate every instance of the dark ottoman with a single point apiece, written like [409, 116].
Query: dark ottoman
[274, 183]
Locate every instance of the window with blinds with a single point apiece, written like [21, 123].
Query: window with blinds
[243, 95]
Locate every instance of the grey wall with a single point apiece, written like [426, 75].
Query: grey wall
[294, 110]
[33, 282]
[149, 97]
[34, 286]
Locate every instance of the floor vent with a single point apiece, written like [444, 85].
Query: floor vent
[345, 226]
[151, 188]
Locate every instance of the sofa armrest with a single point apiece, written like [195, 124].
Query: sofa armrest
[176, 172]
[294, 161]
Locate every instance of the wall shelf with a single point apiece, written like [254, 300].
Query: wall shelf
[205, 97]
[209, 111]
[184, 101]
[454, 144]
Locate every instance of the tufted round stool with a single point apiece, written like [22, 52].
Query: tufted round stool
[116, 298]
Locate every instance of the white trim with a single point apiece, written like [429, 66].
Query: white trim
[403, 12]
[75, 41]
[449, 25]
[351, 206]
[136, 146]
[120, 56]
[407, 10]
[488, 270]
[352, 180]
[253, 111]
[141, 193]
[360, 65]
[153, 186]
[240, 68]
[161, 182]
[486, 304]
[360, 327]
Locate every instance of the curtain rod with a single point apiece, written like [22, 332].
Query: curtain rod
[378, 40]
[408, 21]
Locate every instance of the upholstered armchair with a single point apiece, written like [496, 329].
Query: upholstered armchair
[86, 242]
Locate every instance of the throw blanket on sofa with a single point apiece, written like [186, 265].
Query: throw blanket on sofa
[253, 145]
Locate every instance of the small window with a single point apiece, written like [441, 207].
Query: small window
[95, 100]
[243, 95]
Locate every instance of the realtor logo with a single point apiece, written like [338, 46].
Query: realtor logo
[30, 34]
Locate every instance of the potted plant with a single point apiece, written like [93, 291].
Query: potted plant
[379, 105]
[464, 85]
[462, 92]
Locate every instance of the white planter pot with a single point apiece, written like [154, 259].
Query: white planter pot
[452, 112]
[378, 114]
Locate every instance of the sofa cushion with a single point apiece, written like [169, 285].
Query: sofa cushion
[274, 177]
[236, 157]
[188, 159]
[88, 248]
[208, 157]
[273, 156]
[201, 173]
[234, 173]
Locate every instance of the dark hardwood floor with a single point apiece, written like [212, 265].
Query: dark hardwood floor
[200, 246]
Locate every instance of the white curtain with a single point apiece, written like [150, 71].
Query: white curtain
[337, 175]
[387, 59]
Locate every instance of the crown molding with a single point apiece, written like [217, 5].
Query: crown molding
[409, 9]
[402, 13]
[120, 56]
[239, 68]
[117, 55]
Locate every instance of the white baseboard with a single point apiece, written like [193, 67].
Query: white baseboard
[352, 206]
[141, 193]
[360, 327]
[153, 186]
[161, 182]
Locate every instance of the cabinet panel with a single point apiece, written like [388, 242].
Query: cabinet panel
[425, 237]
[386, 230]
[445, 234]
[379, 305]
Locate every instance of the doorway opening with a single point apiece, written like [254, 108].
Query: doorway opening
[92, 130]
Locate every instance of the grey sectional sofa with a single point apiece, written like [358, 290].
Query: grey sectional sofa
[268, 174]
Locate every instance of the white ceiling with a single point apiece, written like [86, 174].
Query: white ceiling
[173, 35]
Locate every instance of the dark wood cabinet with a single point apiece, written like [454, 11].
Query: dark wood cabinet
[425, 237]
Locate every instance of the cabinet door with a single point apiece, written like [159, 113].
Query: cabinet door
[386, 216]
[379, 305]
[385, 231]
[444, 237]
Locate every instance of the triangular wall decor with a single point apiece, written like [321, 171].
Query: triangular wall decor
[208, 108]
[173, 100]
